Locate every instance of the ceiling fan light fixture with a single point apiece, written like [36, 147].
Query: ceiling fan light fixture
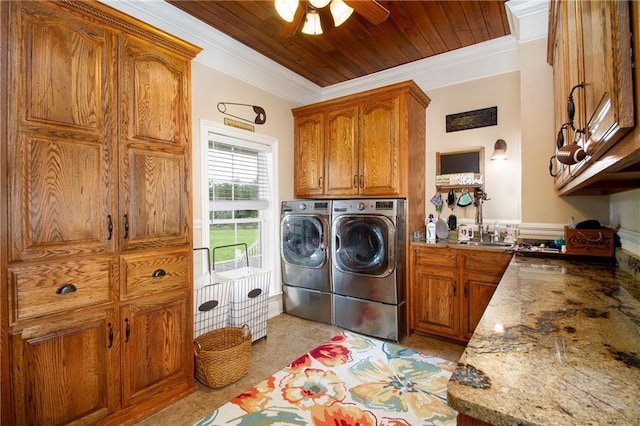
[318, 4]
[286, 9]
[312, 23]
[340, 12]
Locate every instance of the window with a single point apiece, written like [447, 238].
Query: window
[239, 198]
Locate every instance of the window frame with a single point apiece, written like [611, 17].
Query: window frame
[271, 222]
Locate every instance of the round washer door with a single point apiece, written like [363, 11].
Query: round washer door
[364, 245]
[304, 240]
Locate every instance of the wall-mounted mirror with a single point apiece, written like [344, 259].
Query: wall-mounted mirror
[460, 168]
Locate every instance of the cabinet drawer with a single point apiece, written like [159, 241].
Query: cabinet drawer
[438, 257]
[49, 288]
[154, 273]
[486, 261]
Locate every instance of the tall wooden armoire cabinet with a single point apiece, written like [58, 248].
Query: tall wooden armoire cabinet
[96, 249]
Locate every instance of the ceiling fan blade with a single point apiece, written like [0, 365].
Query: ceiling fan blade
[289, 29]
[371, 10]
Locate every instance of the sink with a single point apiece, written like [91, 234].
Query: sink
[487, 244]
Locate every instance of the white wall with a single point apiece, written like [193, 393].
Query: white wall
[502, 178]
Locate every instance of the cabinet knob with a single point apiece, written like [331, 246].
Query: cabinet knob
[66, 288]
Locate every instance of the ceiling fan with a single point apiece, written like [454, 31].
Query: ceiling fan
[296, 12]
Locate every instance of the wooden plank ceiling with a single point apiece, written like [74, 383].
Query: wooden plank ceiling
[414, 30]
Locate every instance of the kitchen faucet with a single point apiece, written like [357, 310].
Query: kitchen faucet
[480, 197]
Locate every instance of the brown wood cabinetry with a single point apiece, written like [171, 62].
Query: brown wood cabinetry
[369, 144]
[96, 270]
[63, 371]
[308, 170]
[481, 272]
[451, 288]
[434, 290]
[342, 156]
[590, 43]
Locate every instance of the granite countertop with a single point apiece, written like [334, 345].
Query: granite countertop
[559, 344]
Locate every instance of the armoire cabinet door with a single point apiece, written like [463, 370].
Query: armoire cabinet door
[66, 371]
[154, 147]
[309, 158]
[157, 349]
[341, 149]
[478, 290]
[435, 300]
[380, 147]
[61, 195]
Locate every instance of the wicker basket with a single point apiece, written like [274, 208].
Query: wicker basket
[222, 356]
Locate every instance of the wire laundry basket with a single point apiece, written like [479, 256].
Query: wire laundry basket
[230, 312]
[249, 294]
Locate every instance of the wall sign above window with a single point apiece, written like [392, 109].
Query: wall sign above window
[472, 119]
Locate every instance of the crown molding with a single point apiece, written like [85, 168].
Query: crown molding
[493, 57]
[528, 19]
[230, 57]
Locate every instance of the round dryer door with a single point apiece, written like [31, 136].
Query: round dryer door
[303, 241]
[364, 245]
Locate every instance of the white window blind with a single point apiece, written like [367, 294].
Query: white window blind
[238, 177]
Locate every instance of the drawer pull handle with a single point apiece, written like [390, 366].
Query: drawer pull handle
[159, 273]
[110, 335]
[109, 226]
[207, 306]
[66, 288]
[126, 227]
[127, 330]
[255, 293]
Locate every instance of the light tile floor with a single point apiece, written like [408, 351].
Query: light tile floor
[288, 337]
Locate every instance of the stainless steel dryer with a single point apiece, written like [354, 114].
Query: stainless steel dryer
[306, 259]
[368, 273]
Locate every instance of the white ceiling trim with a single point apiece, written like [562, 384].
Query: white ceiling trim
[228, 56]
[481, 60]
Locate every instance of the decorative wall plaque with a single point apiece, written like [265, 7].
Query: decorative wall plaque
[472, 119]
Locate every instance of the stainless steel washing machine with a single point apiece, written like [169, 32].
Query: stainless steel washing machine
[368, 272]
[306, 259]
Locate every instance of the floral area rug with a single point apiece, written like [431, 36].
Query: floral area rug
[349, 380]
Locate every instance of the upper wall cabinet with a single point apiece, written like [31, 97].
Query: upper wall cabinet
[369, 144]
[590, 49]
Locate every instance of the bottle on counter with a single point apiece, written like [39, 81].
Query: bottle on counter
[431, 230]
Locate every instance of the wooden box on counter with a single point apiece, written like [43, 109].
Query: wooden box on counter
[592, 242]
